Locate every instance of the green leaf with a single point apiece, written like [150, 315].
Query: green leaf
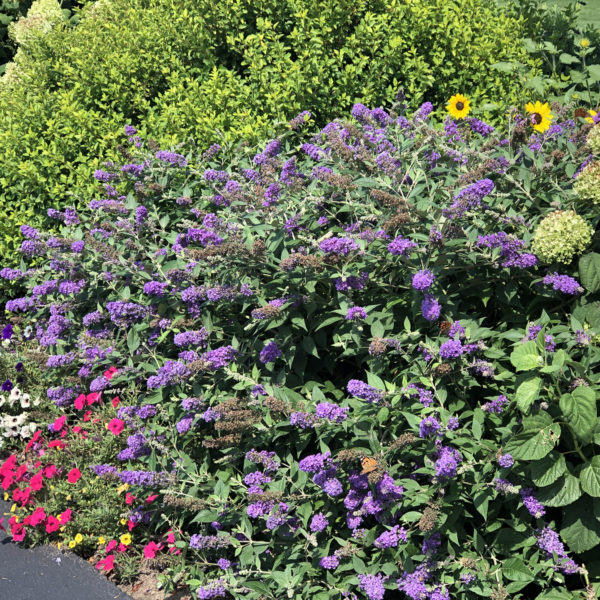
[594, 71]
[516, 570]
[548, 470]
[564, 491]
[527, 393]
[579, 408]
[533, 444]
[525, 357]
[581, 529]
[590, 477]
[568, 59]
[133, 340]
[589, 271]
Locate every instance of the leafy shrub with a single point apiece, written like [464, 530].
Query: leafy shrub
[361, 379]
[198, 69]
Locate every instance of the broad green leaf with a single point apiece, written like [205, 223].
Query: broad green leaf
[525, 357]
[581, 529]
[548, 470]
[589, 271]
[516, 570]
[590, 477]
[133, 340]
[532, 444]
[561, 493]
[527, 393]
[579, 408]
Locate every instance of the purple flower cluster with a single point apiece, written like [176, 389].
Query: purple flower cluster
[563, 283]
[430, 308]
[171, 158]
[219, 357]
[548, 540]
[495, 406]
[124, 314]
[360, 389]
[372, 586]
[191, 338]
[356, 313]
[510, 248]
[535, 508]
[506, 461]
[423, 280]
[339, 246]
[270, 353]
[390, 539]
[469, 198]
[401, 246]
[352, 282]
[172, 372]
[447, 462]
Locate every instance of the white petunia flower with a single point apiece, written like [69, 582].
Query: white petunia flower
[25, 401]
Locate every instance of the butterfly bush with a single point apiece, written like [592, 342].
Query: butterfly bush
[384, 288]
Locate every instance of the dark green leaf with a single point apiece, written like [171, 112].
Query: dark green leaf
[581, 530]
[589, 271]
[590, 477]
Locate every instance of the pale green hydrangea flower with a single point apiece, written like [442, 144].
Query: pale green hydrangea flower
[593, 139]
[560, 236]
[587, 184]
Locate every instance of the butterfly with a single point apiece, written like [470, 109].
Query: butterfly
[368, 465]
[445, 327]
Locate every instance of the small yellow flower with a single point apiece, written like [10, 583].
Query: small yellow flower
[125, 539]
[5, 496]
[122, 488]
[540, 115]
[59, 545]
[84, 490]
[123, 521]
[78, 538]
[51, 487]
[592, 113]
[72, 544]
[584, 43]
[458, 106]
[68, 497]
[101, 541]
[13, 507]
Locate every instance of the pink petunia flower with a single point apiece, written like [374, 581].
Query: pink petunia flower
[107, 563]
[74, 475]
[59, 423]
[116, 426]
[151, 549]
[52, 524]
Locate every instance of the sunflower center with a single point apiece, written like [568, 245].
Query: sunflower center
[460, 106]
[536, 118]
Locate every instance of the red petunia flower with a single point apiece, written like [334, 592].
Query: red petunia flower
[36, 482]
[92, 397]
[52, 524]
[87, 415]
[50, 471]
[112, 544]
[65, 516]
[74, 475]
[151, 549]
[108, 563]
[110, 373]
[79, 402]
[116, 426]
[115, 401]
[59, 423]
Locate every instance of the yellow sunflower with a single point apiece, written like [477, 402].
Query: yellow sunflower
[592, 114]
[540, 115]
[458, 106]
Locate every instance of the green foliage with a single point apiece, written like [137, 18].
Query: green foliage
[214, 70]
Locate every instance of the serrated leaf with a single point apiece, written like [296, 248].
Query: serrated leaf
[590, 477]
[527, 393]
[581, 529]
[579, 408]
[532, 444]
[525, 357]
[548, 470]
[589, 271]
[516, 570]
[561, 493]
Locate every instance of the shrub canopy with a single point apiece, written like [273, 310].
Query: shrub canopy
[360, 376]
[227, 69]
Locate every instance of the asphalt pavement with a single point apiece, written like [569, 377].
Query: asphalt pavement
[46, 573]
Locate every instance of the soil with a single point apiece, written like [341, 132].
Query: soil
[146, 588]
